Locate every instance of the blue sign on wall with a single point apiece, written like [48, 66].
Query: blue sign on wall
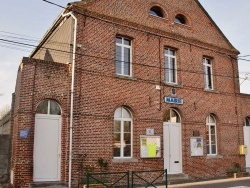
[24, 133]
[173, 100]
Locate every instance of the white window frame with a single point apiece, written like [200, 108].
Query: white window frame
[122, 120]
[123, 46]
[168, 75]
[210, 124]
[208, 76]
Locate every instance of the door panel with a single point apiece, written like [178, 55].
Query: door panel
[47, 148]
[172, 148]
[247, 143]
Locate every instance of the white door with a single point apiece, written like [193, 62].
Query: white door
[47, 148]
[247, 143]
[172, 147]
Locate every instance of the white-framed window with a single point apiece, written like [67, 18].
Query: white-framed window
[208, 73]
[122, 143]
[211, 135]
[247, 122]
[123, 56]
[170, 66]
[48, 107]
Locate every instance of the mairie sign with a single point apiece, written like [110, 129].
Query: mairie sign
[173, 100]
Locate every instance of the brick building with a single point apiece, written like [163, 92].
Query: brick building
[141, 84]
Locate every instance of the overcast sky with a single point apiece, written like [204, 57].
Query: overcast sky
[27, 21]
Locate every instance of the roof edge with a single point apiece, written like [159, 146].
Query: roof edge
[204, 10]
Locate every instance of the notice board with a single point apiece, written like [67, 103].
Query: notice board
[196, 144]
[150, 146]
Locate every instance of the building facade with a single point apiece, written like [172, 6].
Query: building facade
[143, 85]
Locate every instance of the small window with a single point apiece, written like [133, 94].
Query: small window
[156, 11]
[181, 19]
[48, 107]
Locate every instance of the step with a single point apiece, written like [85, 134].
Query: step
[178, 179]
[48, 185]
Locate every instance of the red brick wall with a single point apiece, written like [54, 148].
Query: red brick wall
[99, 91]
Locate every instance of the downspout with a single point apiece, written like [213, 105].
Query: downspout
[72, 97]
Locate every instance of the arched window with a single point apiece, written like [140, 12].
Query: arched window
[247, 122]
[48, 107]
[181, 19]
[156, 11]
[211, 136]
[173, 116]
[122, 143]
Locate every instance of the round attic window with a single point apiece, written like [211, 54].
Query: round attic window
[181, 19]
[156, 11]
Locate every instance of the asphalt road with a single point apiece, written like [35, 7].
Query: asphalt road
[225, 183]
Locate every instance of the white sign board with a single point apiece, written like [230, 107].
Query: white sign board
[150, 146]
[196, 146]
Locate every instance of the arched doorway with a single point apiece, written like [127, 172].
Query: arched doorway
[172, 142]
[47, 142]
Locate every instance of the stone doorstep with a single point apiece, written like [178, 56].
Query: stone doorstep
[179, 179]
[48, 185]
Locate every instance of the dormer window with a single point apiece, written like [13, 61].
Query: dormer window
[156, 11]
[181, 19]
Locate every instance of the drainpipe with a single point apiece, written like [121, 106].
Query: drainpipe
[72, 95]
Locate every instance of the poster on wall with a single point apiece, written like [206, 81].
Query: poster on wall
[150, 146]
[196, 144]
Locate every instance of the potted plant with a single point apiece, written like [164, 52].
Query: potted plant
[237, 171]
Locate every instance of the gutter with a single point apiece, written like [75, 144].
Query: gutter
[72, 96]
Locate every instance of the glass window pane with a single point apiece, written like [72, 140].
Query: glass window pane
[118, 113]
[117, 152]
[117, 127]
[127, 42]
[54, 108]
[119, 40]
[212, 129]
[172, 52]
[126, 68]
[126, 113]
[42, 108]
[118, 60]
[127, 126]
[213, 149]
[127, 151]
[117, 138]
[127, 138]
[212, 120]
[126, 55]
[213, 139]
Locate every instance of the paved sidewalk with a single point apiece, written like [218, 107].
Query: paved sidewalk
[221, 183]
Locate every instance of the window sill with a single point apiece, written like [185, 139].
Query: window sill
[125, 77]
[211, 91]
[183, 25]
[153, 16]
[124, 160]
[173, 85]
[214, 156]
